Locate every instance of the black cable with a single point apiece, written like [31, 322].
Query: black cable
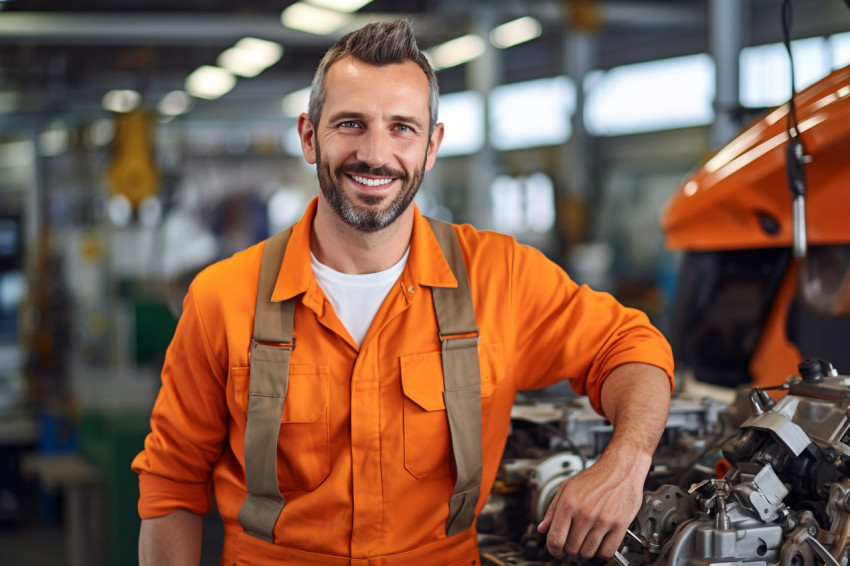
[787, 18]
[795, 152]
[563, 436]
[570, 444]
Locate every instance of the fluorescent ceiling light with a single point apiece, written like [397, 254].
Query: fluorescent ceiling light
[456, 51]
[266, 52]
[239, 63]
[515, 32]
[121, 100]
[312, 19]
[209, 82]
[174, 103]
[296, 102]
[250, 56]
[340, 5]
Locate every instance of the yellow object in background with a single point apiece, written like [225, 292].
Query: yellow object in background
[132, 171]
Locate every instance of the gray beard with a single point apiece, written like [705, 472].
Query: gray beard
[365, 214]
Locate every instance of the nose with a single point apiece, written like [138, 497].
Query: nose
[375, 148]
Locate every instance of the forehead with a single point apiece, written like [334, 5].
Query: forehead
[354, 85]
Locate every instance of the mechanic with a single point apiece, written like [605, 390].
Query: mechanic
[385, 355]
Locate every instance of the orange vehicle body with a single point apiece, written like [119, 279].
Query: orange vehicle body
[736, 209]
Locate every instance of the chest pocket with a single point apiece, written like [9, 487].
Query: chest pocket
[427, 445]
[303, 447]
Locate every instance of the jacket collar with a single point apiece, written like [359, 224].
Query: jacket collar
[426, 264]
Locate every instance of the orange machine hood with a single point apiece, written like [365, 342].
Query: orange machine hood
[739, 197]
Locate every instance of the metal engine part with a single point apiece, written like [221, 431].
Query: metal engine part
[785, 501]
[551, 441]
[546, 477]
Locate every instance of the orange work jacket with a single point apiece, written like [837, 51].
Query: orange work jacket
[364, 458]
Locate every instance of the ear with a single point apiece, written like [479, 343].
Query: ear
[308, 137]
[433, 145]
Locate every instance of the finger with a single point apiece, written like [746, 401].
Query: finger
[560, 523]
[557, 536]
[611, 542]
[550, 511]
[579, 530]
[588, 547]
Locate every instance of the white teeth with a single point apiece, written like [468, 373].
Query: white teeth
[371, 182]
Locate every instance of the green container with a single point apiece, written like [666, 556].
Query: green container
[110, 439]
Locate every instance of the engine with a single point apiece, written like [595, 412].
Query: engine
[781, 494]
[552, 440]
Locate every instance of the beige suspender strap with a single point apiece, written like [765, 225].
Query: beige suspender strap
[461, 380]
[271, 347]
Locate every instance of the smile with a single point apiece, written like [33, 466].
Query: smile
[371, 182]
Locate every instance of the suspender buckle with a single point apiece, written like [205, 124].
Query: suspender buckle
[471, 334]
[286, 345]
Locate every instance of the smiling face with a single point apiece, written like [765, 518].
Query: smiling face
[371, 146]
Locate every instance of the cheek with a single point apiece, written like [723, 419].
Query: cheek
[338, 150]
[414, 154]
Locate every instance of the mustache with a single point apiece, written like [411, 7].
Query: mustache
[364, 169]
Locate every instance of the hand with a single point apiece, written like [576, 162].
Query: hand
[592, 510]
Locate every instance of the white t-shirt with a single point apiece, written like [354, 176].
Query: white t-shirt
[356, 298]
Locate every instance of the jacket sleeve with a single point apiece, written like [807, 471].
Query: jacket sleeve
[188, 422]
[567, 331]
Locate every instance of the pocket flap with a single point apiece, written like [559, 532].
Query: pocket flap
[422, 380]
[306, 395]
[422, 376]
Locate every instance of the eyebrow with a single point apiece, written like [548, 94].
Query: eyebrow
[346, 115]
[407, 120]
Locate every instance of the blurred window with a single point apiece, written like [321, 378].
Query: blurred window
[657, 95]
[285, 208]
[463, 115]
[291, 141]
[531, 113]
[839, 45]
[766, 71]
[523, 204]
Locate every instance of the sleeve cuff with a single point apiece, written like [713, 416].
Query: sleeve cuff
[646, 354]
[160, 496]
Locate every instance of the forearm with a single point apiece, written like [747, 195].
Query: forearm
[636, 399]
[173, 539]
[591, 511]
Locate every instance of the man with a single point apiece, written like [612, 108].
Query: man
[373, 454]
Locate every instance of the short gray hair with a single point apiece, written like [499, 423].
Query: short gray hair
[377, 43]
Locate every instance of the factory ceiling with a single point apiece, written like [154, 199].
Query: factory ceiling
[60, 58]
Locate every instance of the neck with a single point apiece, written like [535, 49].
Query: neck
[349, 250]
